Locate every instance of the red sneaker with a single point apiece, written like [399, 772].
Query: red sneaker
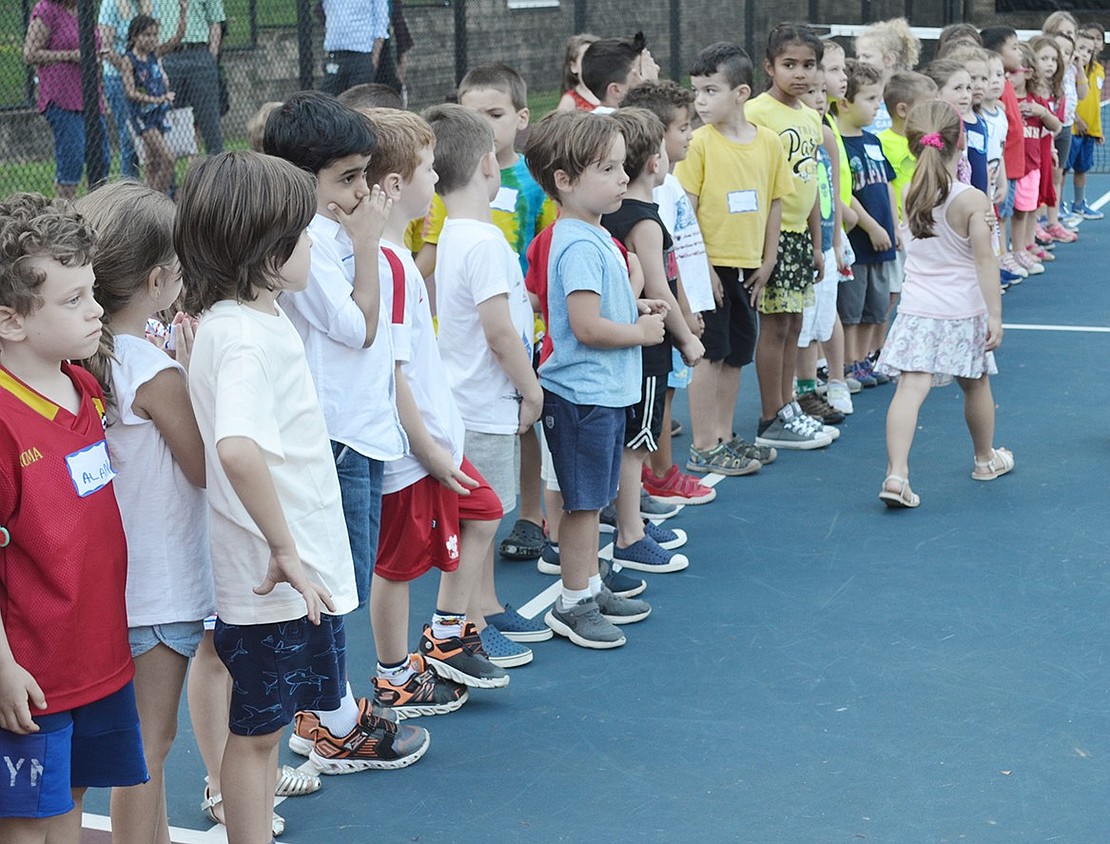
[676, 487]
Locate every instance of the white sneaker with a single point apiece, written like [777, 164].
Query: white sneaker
[840, 397]
[815, 424]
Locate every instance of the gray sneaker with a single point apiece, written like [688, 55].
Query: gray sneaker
[620, 610]
[653, 508]
[792, 432]
[584, 625]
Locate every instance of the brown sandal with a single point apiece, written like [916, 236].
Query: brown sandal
[902, 499]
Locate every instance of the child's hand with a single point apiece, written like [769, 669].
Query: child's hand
[1080, 125]
[441, 466]
[898, 240]
[818, 265]
[692, 351]
[531, 406]
[286, 567]
[1000, 188]
[183, 330]
[367, 220]
[755, 283]
[718, 288]
[653, 306]
[651, 329]
[991, 219]
[880, 240]
[696, 324]
[18, 692]
[994, 333]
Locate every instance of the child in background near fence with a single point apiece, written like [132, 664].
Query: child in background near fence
[159, 457]
[144, 80]
[1050, 68]
[256, 125]
[888, 46]
[1087, 130]
[575, 93]
[68, 719]
[950, 317]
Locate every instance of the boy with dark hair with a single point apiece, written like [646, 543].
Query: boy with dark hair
[66, 724]
[592, 373]
[612, 66]
[371, 95]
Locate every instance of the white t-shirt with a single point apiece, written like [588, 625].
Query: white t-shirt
[357, 393]
[405, 299]
[689, 247]
[165, 517]
[997, 126]
[248, 378]
[475, 263]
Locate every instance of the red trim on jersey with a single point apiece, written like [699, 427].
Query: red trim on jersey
[398, 270]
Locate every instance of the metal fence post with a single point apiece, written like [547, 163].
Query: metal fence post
[676, 41]
[305, 60]
[90, 92]
[460, 40]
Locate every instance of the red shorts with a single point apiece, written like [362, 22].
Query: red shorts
[420, 525]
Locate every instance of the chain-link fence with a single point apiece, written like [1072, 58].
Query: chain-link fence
[223, 59]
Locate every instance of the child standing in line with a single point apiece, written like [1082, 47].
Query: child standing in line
[593, 371]
[994, 113]
[282, 568]
[1058, 228]
[66, 724]
[157, 450]
[888, 46]
[793, 56]
[954, 87]
[904, 90]
[485, 341]
[144, 80]
[1050, 67]
[950, 317]
[1087, 130]
[1037, 118]
[611, 67]
[575, 93]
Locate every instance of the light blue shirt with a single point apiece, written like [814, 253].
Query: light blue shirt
[584, 257]
[355, 25]
[110, 16]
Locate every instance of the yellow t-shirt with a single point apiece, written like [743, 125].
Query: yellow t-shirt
[845, 183]
[1089, 110]
[799, 131]
[735, 185]
[896, 148]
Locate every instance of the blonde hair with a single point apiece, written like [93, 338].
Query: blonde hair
[895, 40]
[938, 122]
[256, 126]
[1053, 24]
[574, 44]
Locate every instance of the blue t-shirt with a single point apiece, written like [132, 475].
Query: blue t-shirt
[976, 132]
[871, 176]
[584, 257]
[825, 198]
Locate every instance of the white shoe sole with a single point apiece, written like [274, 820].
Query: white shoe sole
[626, 619]
[299, 745]
[451, 673]
[793, 445]
[678, 563]
[679, 499]
[568, 632]
[336, 767]
[514, 661]
[527, 636]
[416, 710]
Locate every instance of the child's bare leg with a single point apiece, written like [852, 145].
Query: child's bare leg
[60, 829]
[728, 390]
[139, 812]
[901, 420]
[249, 775]
[209, 693]
[834, 351]
[530, 477]
[769, 362]
[704, 397]
[389, 619]
[662, 458]
[578, 548]
[1079, 185]
[484, 601]
[553, 503]
[979, 415]
[160, 181]
[456, 588]
[630, 525]
[790, 355]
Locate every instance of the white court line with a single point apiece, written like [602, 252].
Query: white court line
[547, 597]
[1091, 329]
[216, 835]
[1102, 200]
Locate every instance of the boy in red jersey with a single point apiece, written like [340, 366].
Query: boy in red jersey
[65, 724]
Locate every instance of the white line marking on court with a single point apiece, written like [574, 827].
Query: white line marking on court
[547, 597]
[215, 835]
[1102, 200]
[1092, 329]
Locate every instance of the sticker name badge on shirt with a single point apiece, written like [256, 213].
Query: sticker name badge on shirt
[742, 201]
[874, 152]
[90, 468]
[505, 199]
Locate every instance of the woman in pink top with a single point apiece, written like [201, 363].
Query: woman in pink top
[52, 45]
[950, 316]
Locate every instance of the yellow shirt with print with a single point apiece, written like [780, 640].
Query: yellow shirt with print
[799, 131]
[1089, 109]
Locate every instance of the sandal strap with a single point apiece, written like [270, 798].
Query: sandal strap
[295, 783]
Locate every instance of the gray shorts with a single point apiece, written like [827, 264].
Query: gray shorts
[865, 299]
[497, 457]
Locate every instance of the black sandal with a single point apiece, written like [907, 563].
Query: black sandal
[525, 542]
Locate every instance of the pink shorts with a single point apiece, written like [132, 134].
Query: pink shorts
[1028, 193]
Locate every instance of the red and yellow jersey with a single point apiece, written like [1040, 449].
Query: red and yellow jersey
[63, 568]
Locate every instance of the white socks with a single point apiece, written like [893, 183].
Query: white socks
[340, 722]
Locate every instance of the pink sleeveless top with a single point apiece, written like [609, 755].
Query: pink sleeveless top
[941, 282]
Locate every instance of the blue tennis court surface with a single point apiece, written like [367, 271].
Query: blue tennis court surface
[825, 670]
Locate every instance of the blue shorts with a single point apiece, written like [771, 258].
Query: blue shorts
[1006, 209]
[1081, 156]
[182, 637]
[360, 486]
[278, 669]
[97, 745]
[586, 442]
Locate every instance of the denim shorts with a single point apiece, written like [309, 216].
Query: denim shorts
[1006, 209]
[586, 443]
[280, 668]
[97, 745]
[360, 486]
[1081, 156]
[181, 637]
[69, 143]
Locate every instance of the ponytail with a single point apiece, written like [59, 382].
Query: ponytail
[933, 129]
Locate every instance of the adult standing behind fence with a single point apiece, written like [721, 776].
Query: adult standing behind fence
[53, 46]
[354, 34]
[114, 19]
[192, 63]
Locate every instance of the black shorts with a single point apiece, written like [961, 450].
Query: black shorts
[643, 422]
[732, 329]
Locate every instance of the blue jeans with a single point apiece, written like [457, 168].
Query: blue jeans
[360, 486]
[69, 143]
[121, 111]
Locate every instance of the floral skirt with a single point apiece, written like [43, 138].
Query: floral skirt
[945, 348]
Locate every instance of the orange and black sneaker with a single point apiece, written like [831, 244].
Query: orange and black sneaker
[425, 693]
[376, 743]
[305, 725]
[462, 659]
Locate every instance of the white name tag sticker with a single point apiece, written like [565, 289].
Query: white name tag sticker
[875, 153]
[742, 201]
[1098, 82]
[505, 199]
[90, 468]
[976, 141]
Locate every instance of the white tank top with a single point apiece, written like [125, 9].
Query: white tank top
[941, 282]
